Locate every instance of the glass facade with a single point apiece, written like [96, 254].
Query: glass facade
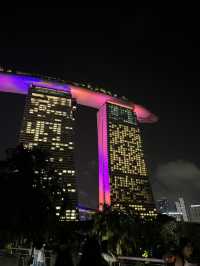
[48, 123]
[129, 185]
[163, 205]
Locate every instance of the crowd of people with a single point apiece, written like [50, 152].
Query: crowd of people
[180, 256]
[95, 253]
[92, 252]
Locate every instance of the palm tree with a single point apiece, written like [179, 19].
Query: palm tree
[118, 227]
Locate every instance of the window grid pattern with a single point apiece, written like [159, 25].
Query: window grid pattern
[48, 123]
[130, 187]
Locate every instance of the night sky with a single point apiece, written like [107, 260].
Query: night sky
[149, 55]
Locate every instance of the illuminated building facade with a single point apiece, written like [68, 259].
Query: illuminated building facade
[123, 180]
[182, 208]
[163, 205]
[195, 213]
[48, 123]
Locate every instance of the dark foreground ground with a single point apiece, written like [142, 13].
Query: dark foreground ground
[8, 261]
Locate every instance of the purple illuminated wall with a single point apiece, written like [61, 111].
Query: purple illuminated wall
[104, 179]
[15, 83]
[20, 83]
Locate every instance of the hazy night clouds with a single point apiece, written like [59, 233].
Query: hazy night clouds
[177, 178]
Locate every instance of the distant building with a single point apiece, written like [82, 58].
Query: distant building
[86, 214]
[163, 205]
[195, 213]
[123, 178]
[181, 208]
[48, 123]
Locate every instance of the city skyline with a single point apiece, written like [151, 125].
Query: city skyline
[99, 139]
[179, 209]
[88, 195]
[145, 55]
[123, 180]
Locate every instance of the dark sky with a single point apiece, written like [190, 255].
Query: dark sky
[149, 55]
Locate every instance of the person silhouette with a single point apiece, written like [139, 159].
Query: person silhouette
[91, 254]
[184, 252]
[64, 257]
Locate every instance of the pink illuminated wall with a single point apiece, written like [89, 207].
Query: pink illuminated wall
[104, 179]
[16, 83]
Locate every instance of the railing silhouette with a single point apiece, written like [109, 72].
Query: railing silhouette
[23, 256]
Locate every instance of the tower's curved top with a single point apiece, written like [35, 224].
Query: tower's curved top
[84, 94]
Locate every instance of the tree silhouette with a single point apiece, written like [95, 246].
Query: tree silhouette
[118, 228]
[27, 191]
[127, 233]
